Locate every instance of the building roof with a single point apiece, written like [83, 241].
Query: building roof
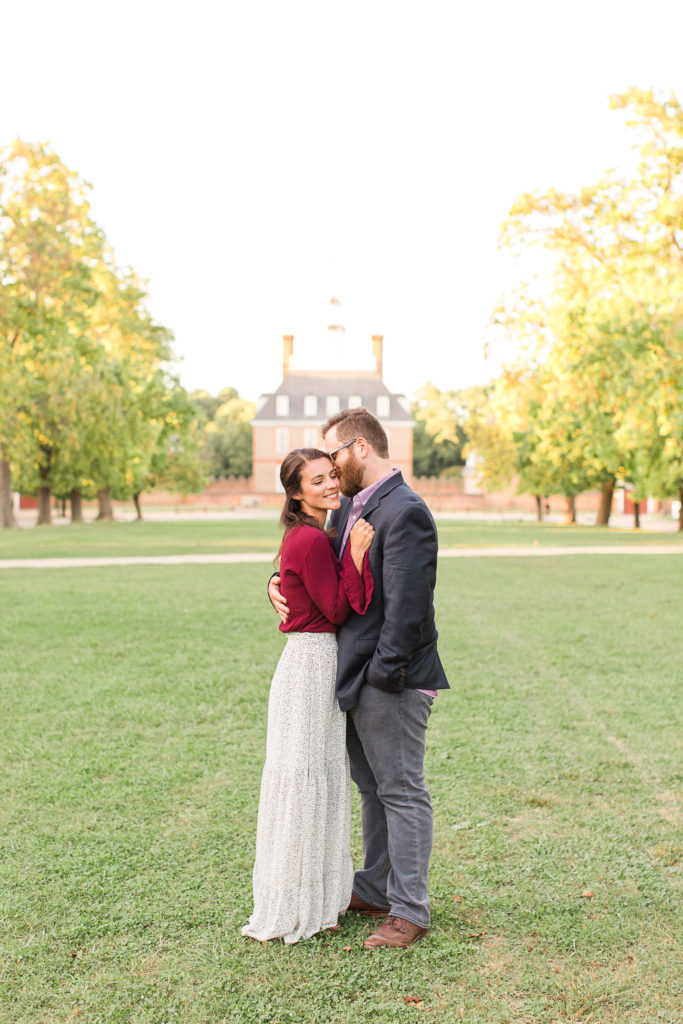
[325, 383]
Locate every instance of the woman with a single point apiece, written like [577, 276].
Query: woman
[303, 872]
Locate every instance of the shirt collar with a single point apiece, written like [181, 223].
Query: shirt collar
[360, 499]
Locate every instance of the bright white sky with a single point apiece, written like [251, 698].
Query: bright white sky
[252, 159]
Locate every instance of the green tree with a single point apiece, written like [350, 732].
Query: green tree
[495, 416]
[438, 436]
[176, 460]
[48, 246]
[228, 438]
[136, 349]
[80, 355]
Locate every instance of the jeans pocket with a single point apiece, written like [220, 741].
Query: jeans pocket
[423, 706]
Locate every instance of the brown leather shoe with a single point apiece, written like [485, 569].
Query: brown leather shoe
[359, 906]
[395, 932]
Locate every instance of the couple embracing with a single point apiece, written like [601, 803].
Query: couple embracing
[354, 685]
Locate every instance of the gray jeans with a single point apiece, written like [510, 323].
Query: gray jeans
[385, 736]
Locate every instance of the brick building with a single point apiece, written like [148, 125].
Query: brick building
[291, 417]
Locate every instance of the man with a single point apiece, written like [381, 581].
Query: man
[388, 672]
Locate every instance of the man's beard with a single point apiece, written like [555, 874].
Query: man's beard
[350, 476]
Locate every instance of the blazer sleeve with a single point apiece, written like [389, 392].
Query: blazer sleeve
[408, 576]
[334, 588]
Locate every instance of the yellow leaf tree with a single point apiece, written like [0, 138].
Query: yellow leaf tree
[609, 322]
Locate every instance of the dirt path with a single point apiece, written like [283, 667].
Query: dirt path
[263, 556]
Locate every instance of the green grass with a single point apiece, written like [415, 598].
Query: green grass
[131, 744]
[468, 533]
[160, 538]
[92, 539]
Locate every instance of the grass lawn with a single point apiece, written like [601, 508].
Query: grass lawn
[131, 744]
[206, 537]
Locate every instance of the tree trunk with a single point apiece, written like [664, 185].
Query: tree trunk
[76, 506]
[605, 504]
[571, 508]
[636, 515]
[539, 508]
[104, 501]
[7, 519]
[136, 502]
[44, 511]
[680, 510]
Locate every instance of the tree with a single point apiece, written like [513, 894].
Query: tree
[438, 437]
[135, 349]
[612, 313]
[497, 416]
[228, 443]
[80, 355]
[48, 245]
[175, 461]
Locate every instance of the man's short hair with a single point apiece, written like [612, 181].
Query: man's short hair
[359, 422]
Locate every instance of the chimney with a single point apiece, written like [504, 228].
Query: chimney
[287, 350]
[377, 340]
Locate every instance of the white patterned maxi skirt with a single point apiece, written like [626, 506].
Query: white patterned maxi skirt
[303, 871]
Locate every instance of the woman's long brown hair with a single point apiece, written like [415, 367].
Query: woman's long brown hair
[290, 477]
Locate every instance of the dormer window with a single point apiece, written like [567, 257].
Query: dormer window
[282, 405]
[332, 405]
[310, 405]
[383, 406]
[355, 401]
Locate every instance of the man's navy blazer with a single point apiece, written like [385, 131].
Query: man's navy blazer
[392, 646]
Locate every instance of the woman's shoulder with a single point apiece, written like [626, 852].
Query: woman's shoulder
[304, 536]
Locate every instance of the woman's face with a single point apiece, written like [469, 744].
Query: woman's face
[319, 489]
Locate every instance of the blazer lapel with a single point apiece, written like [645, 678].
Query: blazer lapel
[374, 500]
[338, 520]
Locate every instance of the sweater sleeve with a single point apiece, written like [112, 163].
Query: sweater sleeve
[332, 590]
[358, 586]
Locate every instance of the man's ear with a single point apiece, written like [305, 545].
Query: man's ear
[364, 447]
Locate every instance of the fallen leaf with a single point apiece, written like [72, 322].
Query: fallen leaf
[347, 949]
[413, 999]
[587, 894]
[457, 898]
